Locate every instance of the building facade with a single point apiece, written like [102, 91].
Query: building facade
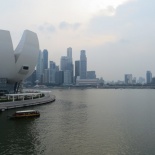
[148, 77]
[83, 65]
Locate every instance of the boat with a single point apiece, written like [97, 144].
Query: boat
[25, 113]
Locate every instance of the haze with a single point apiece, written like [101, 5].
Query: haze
[118, 35]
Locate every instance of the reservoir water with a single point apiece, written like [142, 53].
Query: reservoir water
[85, 122]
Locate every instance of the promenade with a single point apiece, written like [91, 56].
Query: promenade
[48, 98]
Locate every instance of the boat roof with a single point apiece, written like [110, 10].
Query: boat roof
[26, 111]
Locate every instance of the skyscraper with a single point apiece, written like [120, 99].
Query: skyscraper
[128, 78]
[39, 68]
[69, 54]
[83, 65]
[91, 75]
[45, 59]
[148, 77]
[77, 69]
[64, 63]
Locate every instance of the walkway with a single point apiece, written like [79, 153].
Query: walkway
[32, 102]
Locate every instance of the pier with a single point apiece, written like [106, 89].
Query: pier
[48, 98]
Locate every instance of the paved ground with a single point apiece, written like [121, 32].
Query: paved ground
[11, 105]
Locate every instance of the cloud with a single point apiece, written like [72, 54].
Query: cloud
[132, 51]
[46, 27]
[67, 26]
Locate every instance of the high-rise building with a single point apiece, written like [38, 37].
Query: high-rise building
[39, 68]
[77, 69]
[148, 77]
[64, 63]
[83, 65]
[45, 59]
[128, 78]
[52, 65]
[59, 77]
[46, 76]
[69, 54]
[67, 65]
[91, 75]
[67, 77]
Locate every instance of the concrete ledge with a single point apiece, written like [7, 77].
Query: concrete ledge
[26, 103]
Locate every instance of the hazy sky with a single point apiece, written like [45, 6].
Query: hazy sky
[118, 35]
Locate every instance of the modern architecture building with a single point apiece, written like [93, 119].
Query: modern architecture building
[64, 63]
[91, 75]
[67, 77]
[148, 77]
[59, 80]
[77, 69]
[39, 67]
[16, 65]
[83, 65]
[128, 78]
[87, 82]
[45, 59]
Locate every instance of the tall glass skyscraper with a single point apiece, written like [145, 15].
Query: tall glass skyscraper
[148, 77]
[77, 69]
[39, 69]
[83, 65]
[45, 59]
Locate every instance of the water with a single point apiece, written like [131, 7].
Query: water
[85, 122]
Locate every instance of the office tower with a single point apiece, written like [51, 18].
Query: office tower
[52, 76]
[77, 69]
[91, 75]
[59, 77]
[52, 65]
[31, 79]
[83, 65]
[64, 63]
[128, 78]
[45, 59]
[69, 54]
[46, 76]
[141, 80]
[67, 77]
[39, 68]
[148, 77]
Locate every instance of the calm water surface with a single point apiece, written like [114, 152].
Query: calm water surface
[85, 122]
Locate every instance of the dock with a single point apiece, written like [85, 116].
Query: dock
[48, 98]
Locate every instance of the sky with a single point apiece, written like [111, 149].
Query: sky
[118, 35]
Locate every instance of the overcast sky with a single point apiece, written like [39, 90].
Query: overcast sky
[118, 35]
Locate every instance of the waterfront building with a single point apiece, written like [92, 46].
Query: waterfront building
[91, 75]
[45, 59]
[67, 77]
[128, 78]
[52, 65]
[83, 65]
[46, 76]
[141, 80]
[64, 63]
[77, 69]
[39, 67]
[87, 82]
[59, 80]
[153, 80]
[31, 79]
[69, 54]
[148, 77]
[52, 76]
[16, 65]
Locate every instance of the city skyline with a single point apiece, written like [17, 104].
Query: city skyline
[118, 35]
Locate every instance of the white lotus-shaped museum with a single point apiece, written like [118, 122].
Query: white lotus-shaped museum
[18, 64]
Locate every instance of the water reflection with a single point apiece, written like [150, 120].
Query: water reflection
[115, 122]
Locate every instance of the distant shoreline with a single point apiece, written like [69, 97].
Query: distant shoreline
[96, 87]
